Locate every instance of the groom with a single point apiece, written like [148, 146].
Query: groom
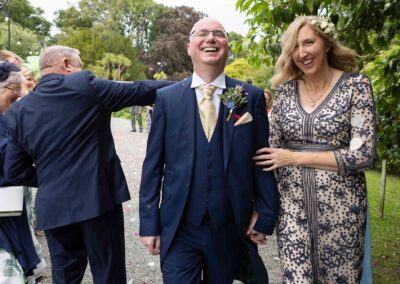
[215, 204]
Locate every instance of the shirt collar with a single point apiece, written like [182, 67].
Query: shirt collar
[219, 82]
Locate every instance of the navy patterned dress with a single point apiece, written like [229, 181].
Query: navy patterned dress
[322, 218]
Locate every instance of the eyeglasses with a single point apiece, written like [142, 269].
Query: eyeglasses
[16, 91]
[203, 33]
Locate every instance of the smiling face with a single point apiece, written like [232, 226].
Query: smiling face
[29, 83]
[310, 53]
[9, 95]
[208, 49]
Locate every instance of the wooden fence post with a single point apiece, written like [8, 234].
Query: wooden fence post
[383, 188]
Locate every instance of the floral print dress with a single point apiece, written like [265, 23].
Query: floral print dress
[322, 216]
[11, 271]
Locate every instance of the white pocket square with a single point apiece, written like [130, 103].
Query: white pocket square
[245, 118]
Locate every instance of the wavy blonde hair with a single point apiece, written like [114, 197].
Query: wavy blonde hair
[339, 56]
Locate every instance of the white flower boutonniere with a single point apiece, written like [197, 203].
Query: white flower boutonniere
[234, 98]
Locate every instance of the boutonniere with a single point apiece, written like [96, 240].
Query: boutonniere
[236, 117]
[234, 98]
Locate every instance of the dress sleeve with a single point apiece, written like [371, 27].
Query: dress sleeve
[361, 152]
[275, 134]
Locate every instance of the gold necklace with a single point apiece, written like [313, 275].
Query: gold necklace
[313, 101]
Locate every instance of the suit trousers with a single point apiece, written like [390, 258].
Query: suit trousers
[101, 240]
[202, 254]
[136, 116]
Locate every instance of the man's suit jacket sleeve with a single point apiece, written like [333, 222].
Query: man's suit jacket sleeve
[18, 165]
[266, 194]
[152, 173]
[115, 96]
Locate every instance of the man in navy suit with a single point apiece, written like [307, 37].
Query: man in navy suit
[63, 129]
[204, 205]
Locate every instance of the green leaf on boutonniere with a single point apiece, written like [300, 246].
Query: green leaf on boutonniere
[234, 98]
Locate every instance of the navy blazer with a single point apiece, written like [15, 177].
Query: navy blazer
[63, 128]
[168, 165]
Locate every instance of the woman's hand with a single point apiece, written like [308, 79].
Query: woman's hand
[274, 158]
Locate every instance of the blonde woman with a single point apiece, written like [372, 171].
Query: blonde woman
[322, 138]
[29, 82]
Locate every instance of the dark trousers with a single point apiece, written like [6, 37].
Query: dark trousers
[101, 240]
[202, 250]
[136, 116]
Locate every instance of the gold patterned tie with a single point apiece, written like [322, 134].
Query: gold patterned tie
[208, 114]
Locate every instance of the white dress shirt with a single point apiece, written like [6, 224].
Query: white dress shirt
[219, 83]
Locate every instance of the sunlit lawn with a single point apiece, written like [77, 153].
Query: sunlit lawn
[386, 231]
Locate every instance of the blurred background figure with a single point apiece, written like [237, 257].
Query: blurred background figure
[6, 55]
[20, 255]
[136, 115]
[29, 82]
[149, 112]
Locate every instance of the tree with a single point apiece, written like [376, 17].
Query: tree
[134, 19]
[363, 25]
[240, 69]
[169, 52]
[95, 42]
[27, 16]
[25, 44]
[237, 47]
[369, 27]
[112, 66]
[384, 72]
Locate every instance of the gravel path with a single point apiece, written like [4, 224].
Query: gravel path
[141, 267]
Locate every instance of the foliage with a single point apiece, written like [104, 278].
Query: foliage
[25, 44]
[236, 40]
[169, 52]
[384, 72]
[73, 18]
[356, 22]
[96, 41]
[134, 19]
[123, 113]
[160, 76]
[28, 17]
[385, 232]
[240, 69]
[369, 27]
[138, 21]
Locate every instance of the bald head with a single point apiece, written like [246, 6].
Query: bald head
[206, 22]
[208, 48]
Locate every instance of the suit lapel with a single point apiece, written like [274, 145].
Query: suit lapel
[185, 106]
[227, 128]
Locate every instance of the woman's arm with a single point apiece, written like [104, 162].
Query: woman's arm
[274, 158]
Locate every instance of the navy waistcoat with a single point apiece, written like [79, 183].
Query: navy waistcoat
[208, 192]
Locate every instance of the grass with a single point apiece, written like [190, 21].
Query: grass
[386, 231]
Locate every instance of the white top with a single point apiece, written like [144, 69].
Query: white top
[219, 83]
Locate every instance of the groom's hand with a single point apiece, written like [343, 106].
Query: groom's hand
[152, 244]
[255, 237]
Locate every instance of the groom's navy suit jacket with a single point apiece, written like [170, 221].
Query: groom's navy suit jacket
[63, 128]
[170, 162]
